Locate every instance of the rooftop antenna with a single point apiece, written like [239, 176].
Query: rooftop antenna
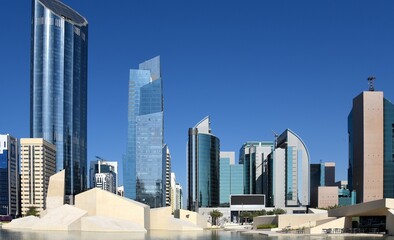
[371, 79]
[276, 138]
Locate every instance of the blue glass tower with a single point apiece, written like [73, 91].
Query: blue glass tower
[144, 166]
[231, 178]
[203, 167]
[58, 87]
[9, 177]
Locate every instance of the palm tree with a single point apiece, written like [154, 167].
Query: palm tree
[215, 214]
[32, 211]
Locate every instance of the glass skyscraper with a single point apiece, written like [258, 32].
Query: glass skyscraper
[9, 177]
[144, 168]
[253, 155]
[231, 178]
[203, 167]
[58, 87]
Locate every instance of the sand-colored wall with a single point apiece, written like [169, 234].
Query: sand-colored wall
[264, 220]
[55, 196]
[193, 217]
[390, 221]
[64, 218]
[299, 220]
[327, 196]
[160, 218]
[98, 202]
[336, 223]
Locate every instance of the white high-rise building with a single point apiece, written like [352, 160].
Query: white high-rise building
[287, 170]
[38, 163]
[173, 192]
[168, 175]
[178, 196]
[104, 175]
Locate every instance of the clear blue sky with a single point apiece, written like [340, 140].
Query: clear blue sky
[253, 66]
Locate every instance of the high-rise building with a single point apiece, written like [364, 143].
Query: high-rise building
[321, 174]
[173, 192]
[231, 178]
[144, 166]
[9, 176]
[38, 163]
[104, 175]
[58, 87]
[168, 173]
[288, 172]
[203, 154]
[252, 155]
[178, 196]
[371, 149]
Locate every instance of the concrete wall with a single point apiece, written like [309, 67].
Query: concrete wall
[64, 218]
[264, 220]
[336, 223]
[299, 220]
[193, 217]
[160, 218]
[327, 196]
[98, 202]
[55, 196]
[390, 221]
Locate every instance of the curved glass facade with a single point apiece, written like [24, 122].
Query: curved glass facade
[58, 87]
[203, 170]
[144, 166]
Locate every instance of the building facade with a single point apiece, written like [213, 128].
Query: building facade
[9, 176]
[104, 175]
[168, 175]
[253, 155]
[173, 192]
[371, 149]
[178, 196]
[288, 172]
[231, 178]
[144, 166]
[58, 87]
[203, 154]
[321, 174]
[38, 163]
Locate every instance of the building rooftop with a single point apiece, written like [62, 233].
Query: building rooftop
[64, 11]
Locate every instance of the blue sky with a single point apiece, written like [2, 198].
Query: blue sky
[253, 66]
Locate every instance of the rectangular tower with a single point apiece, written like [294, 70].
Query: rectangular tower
[253, 156]
[231, 177]
[104, 175]
[38, 163]
[9, 176]
[365, 127]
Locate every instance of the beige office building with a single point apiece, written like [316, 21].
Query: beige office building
[366, 146]
[38, 163]
[327, 196]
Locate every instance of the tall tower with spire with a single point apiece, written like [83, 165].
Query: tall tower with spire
[370, 128]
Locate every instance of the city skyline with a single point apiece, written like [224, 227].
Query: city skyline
[253, 68]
